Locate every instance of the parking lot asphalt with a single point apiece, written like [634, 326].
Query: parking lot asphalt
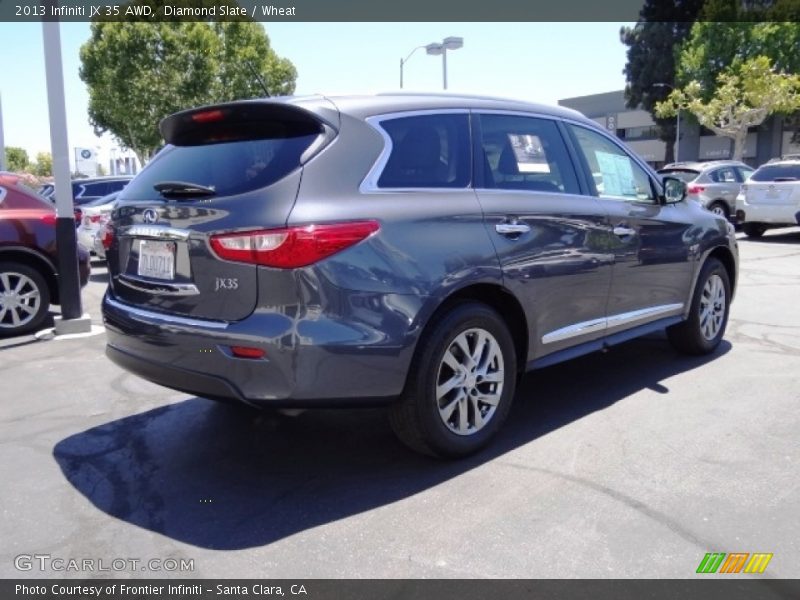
[630, 463]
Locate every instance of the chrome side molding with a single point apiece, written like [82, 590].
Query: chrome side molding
[596, 325]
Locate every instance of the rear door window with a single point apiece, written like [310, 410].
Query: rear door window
[525, 153]
[428, 151]
[723, 175]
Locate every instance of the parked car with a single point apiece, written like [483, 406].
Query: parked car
[92, 219]
[713, 184]
[771, 198]
[393, 249]
[100, 235]
[28, 258]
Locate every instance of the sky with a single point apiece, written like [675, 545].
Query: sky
[537, 62]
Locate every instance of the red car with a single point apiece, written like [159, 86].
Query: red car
[28, 257]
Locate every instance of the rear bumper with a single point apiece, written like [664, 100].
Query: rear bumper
[315, 362]
[775, 214]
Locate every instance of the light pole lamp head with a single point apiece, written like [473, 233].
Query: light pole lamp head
[453, 43]
[434, 49]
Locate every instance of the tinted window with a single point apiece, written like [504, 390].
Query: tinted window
[230, 168]
[773, 172]
[99, 188]
[427, 151]
[525, 153]
[684, 175]
[724, 175]
[616, 175]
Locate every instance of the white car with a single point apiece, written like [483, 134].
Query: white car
[92, 220]
[770, 198]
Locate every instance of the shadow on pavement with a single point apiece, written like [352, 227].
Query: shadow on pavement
[226, 478]
[789, 237]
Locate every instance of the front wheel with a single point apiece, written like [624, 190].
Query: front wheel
[702, 332]
[460, 385]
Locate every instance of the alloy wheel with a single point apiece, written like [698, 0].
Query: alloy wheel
[20, 300]
[469, 384]
[712, 307]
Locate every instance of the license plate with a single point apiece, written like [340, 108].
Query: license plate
[156, 259]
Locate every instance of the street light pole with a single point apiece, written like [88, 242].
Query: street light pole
[448, 43]
[404, 61]
[72, 319]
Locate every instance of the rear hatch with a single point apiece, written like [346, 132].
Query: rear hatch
[777, 184]
[227, 168]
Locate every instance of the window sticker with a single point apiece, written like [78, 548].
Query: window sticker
[617, 174]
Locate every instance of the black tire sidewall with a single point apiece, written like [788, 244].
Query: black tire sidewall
[44, 293]
[441, 440]
[721, 204]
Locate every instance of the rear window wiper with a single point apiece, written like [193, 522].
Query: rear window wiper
[183, 188]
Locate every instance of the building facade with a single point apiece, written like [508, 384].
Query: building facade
[636, 127]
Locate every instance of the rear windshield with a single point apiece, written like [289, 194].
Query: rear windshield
[684, 175]
[774, 172]
[230, 168]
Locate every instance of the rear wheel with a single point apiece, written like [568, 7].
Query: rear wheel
[460, 385]
[24, 298]
[719, 208]
[754, 230]
[702, 332]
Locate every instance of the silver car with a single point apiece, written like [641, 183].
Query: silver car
[713, 184]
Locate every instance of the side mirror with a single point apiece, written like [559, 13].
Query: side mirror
[674, 190]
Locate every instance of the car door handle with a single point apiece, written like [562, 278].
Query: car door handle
[622, 231]
[512, 228]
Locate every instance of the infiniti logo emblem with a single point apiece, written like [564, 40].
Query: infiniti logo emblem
[150, 216]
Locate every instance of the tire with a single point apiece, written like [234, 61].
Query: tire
[718, 207]
[462, 417]
[702, 332]
[24, 299]
[754, 230]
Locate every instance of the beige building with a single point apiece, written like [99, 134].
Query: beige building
[637, 128]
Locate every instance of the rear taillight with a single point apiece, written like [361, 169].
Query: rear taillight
[291, 247]
[695, 189]
[95, 218]
[107, 236]
[49, 218]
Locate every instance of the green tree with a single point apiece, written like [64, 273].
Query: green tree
[652, 47]
[44, 164]
[138, 73]
[743, 97]
[17, 160]
[729, 32]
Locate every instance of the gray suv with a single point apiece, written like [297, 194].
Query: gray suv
[400, 249]
[713, 184]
